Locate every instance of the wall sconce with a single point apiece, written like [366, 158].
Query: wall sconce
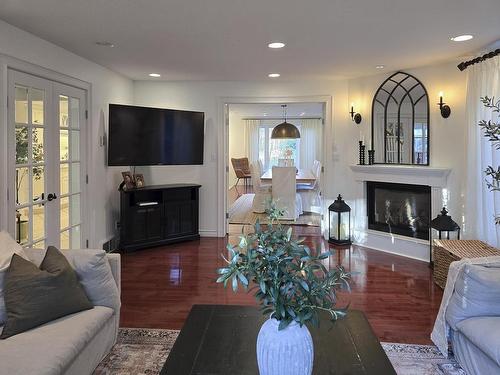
[356, 117]
[443, 107]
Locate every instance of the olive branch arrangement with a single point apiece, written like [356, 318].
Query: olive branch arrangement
[290, 281]
[491, 131]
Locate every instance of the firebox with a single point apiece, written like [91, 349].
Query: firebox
[399, 208]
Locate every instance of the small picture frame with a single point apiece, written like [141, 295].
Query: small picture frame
[139, 180]
[128, 181]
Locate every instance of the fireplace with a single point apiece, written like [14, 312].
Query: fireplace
[399, 208]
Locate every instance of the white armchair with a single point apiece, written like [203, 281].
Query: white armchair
[262, 191]
[284, 192]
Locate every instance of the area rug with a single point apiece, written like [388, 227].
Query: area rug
[144, 351]
[241, 212]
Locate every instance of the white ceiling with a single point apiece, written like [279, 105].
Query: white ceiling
[275, 111]
[227, 39]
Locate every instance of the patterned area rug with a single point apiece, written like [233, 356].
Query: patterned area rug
[241, 212]
[144, 351]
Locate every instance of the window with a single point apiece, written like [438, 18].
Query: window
[420, 139]
[271, 150]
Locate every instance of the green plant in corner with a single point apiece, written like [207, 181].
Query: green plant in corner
[491, 131]
[290, 281]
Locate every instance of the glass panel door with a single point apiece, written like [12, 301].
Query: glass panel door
[30, 179]
[69, 165]
[46, 162]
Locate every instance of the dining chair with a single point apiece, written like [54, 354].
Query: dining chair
[262, 191]
[284, 192]
[242, 170]
[311, 193]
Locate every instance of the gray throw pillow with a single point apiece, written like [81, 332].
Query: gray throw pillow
[34, 296]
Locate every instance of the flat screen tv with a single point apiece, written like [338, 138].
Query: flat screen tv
[154, 136]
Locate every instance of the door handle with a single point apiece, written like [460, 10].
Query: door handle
[51, 196]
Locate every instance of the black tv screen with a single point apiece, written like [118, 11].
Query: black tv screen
[154, 136]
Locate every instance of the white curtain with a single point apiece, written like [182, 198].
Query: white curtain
[310, 142]
[252, 139]
[483, 79]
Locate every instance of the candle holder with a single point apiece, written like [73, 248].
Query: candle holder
[362, 148]
[371, 157]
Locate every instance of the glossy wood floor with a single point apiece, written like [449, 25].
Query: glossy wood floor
[160, 285]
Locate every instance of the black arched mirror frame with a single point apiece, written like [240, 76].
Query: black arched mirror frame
[400, 135]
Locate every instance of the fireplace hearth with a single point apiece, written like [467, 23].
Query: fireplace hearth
[401, 209]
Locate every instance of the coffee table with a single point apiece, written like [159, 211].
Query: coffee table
[221, 340]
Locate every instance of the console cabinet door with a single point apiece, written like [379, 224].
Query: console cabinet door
[144, 225]
[180, 218]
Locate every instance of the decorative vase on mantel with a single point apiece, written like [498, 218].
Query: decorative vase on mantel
[284, 352]
[292, 286]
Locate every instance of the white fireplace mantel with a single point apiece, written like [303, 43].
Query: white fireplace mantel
[403, 174]
[434, 177]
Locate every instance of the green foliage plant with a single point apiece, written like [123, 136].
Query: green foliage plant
[290, 281]
[491, 130]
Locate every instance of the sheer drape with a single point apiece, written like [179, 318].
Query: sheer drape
[252, 139]
[310, 142]
[483, 79]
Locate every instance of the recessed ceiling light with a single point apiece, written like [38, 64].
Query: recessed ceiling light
[105, 44]
[156, 75]
[303, 113]
[461, 38]
[265, 114]
[273, 75]
[276, 45]
[380, 67]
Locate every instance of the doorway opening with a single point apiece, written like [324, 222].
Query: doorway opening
[252, 154]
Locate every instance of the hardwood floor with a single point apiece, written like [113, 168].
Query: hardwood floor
[160, 285]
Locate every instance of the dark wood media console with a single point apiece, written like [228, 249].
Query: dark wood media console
[158, 215]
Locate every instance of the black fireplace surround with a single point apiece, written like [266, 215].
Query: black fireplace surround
[399, 208]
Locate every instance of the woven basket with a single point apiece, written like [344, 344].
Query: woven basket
[447, 251]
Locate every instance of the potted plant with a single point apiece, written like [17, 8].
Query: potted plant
[292, 286]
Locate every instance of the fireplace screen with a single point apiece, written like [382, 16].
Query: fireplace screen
[399, 209]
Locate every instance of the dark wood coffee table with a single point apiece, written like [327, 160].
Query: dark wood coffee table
[221, 339]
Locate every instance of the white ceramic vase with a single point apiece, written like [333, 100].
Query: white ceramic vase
[286, 352]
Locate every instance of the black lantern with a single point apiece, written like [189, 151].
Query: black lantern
[339, 223]
[443, 223]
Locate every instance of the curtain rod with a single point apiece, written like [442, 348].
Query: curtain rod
[281, 118]
[464, 64]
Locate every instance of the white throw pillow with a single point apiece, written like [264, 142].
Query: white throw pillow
[8, 247]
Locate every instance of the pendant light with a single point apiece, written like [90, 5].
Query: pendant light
[285, 130]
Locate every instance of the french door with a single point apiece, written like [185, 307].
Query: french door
[46, 162]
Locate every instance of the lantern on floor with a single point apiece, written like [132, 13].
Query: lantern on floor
[444, 224]
[339, 223]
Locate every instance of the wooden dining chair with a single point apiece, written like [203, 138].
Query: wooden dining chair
[241, 168]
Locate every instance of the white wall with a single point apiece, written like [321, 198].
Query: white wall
[205, 96]
[237, 143]
[448, 143]
[106, 87]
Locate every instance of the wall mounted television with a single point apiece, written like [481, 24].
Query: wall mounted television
[153, 136]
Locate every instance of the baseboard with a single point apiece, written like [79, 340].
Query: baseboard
[208, 233]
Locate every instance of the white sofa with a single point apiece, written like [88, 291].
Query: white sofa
[74, 344]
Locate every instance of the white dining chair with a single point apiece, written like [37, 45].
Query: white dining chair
[310, 193]
[262, 191]
[284, 192]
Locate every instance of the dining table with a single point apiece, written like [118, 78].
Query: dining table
[303, 176]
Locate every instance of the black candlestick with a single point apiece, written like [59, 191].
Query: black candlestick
[362, 153]
[371, 157]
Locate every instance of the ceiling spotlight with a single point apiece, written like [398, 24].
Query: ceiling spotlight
[156, 75]
[105, 44]
[461, 38]
[380, 67]
[273, 75]
[276, 45]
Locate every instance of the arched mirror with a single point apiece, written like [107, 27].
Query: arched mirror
[400, 121]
